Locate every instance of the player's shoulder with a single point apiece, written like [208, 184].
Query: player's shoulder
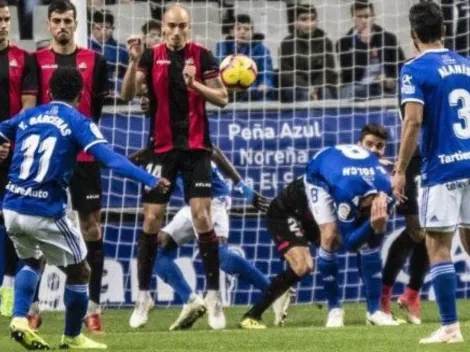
[196, 48]
[16, 50]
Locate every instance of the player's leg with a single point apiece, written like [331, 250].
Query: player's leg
[197, 177]
[465, 240]
[176, 233]
[440, 223]
[371, 274]
[10, 261]
[300, 264]
[85, 189]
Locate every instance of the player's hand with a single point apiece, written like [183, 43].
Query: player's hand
[189, 74]
[313, 93]
[144, 103]
[398, 185]
[244, 190]
[163, 185]
[260, 202]
[135, 48]
[4, 150]
[379, 213]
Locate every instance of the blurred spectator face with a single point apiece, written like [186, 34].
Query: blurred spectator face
[306, 24]
[102, 31]
[152, 38]
[4, 23]
[62, 27]
[175, 27]
[243, 33]
[363, 18]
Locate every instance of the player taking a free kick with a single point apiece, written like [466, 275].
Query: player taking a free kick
[47, 141]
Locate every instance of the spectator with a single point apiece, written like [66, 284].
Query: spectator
[370, 57]
[251, 44]
[307, 60]
[152, 31]
[102, 41]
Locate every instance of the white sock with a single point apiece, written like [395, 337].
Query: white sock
[93, 308]
[8, 281]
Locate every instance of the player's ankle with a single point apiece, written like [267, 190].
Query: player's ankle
[387, 290]
[411, 293]
[93, 308]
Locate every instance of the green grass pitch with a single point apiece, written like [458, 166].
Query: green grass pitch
[303, 332]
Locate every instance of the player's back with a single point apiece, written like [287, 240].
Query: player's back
[44, 158]
[347, 171]
[440, 79]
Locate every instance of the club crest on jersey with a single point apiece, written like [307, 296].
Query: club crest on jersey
[407, 86]
[82, 66]
[189, 61]
[13, 63]
[344, 210]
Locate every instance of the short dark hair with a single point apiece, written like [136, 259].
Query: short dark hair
[427, 21]
[374, 129]
[3, 4]
[243, 18]
[359, 5]
[150, 25]
[66, 84]
[103, 16]
[305, 9]
[61, 6]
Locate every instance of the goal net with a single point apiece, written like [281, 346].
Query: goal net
[318, 92]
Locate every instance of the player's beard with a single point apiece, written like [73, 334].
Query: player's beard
[63, 41]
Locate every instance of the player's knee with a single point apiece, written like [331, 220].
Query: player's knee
[302, 265]
[152, 222]
[91, 228]
[78, 274]
[165, 241]
[414, 230]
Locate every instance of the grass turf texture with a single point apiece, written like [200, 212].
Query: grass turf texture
[303, 332]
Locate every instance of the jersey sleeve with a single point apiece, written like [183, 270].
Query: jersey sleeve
[146, 61]
[410, 86]
[209, 65]
[87, 133]
[8, 128]
[29, 82]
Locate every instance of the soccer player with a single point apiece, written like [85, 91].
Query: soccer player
[180, 76]
[35, 202]
[435, 93]
[18, 90]
[343, 185]
[85, 185]
[181, 230]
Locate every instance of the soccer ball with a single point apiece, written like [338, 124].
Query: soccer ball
[238, 72]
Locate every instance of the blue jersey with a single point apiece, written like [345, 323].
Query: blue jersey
[440, 80]
[47, 141]
[219, 186]
[348, 173]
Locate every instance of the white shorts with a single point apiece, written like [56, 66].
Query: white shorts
[443, 207]
[321, 204]
[181, 228]
[58, 240]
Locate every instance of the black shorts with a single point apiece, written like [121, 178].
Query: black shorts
[410, 206]
[193, 165]
[290, 231]
[85, 187]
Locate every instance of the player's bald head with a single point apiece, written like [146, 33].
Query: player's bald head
[176, 13]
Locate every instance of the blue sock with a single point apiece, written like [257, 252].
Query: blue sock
[233, 264]
[76, 304]
[444, 282]
[171, 274]
[25, 287]
[329, 270]
[371, 273]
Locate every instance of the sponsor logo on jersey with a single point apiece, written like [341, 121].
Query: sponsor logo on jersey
[49, 67]
[457, 184]
[203, 185]
[82, 66]
[407, 86]
[163, 62]
[27, 192]
[452, 158]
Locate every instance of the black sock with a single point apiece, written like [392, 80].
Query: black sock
[419, 265]
[10, 257]
[95, 259]
[277, 287]
[146, 253]
[399, 251]
[209, 251]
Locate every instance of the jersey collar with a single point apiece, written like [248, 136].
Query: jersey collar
[61, 102]
[440, 50]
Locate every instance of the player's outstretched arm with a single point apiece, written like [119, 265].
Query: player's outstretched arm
[121, 165]
[228, 169]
